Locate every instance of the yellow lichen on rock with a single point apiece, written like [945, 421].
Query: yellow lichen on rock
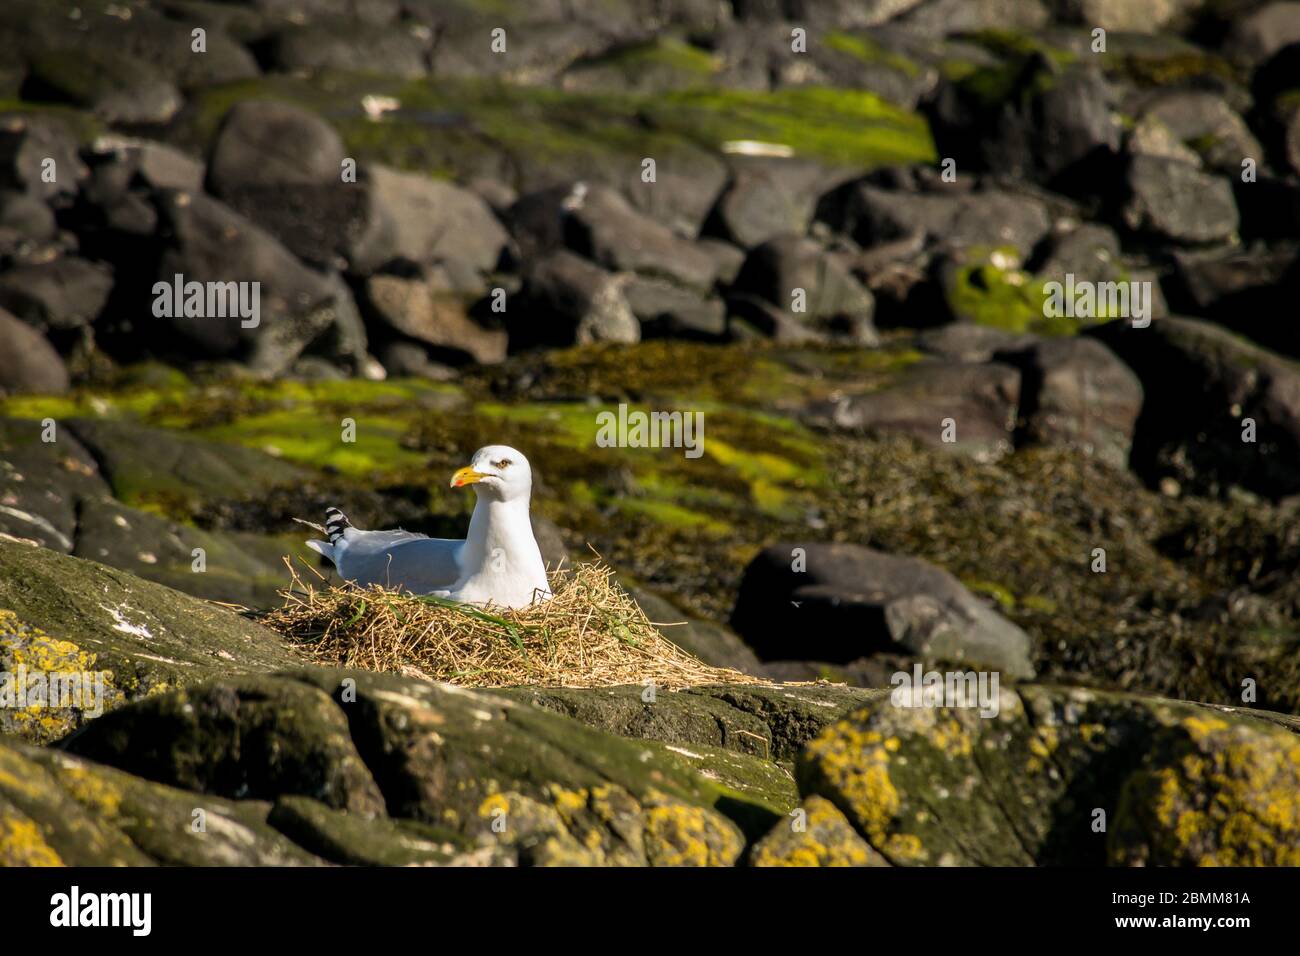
[28, 653]
[820, 836]
[21, 842]
[682, 834]
[1227, 795]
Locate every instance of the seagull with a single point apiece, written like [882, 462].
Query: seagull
[498, 563]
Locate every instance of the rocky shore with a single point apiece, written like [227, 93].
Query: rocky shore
[987, 309]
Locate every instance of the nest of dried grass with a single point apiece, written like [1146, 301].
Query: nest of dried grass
[589, 634]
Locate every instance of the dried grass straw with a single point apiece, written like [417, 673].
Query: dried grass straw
[589, 634]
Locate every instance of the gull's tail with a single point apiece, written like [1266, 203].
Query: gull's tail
[336, 526]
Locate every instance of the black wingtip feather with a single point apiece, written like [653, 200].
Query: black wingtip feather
[336, 522]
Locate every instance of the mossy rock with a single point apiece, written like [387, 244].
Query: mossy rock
[147, 636]
[161, 469]
[350, 839]
[252, 737]
[1061, 776]
[484, 744]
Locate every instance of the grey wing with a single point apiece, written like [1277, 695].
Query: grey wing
[399, 559]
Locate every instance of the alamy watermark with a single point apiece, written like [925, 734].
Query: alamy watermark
[81, 690]
[1085, 299]
[208, 300]
[975, 689]
[638, 429]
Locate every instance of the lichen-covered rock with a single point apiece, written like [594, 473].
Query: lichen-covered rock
[35, 668]
[815, 835]
[41, 825]
[678, 833]
[1061, 776]
[1218, 792]
[148, 636]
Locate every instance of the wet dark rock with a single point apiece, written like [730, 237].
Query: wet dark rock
[568, 300]
[979, 399]
[1075, 392]
[1175, 201]
[812, 286]
[28, 363]
[667, 310]
[1202, 383]
[839, 602]
[66, 293]
[604, 227]
[25, 143]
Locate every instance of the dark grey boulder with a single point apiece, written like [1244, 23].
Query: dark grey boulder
[712, 643]
[604, 227]
[1209, 126]
[979, 399]
[952, 218]
[968, 342]
[424, 308]
[1175, 201]
[45, 484]
[667, 310]
[422, 220]
[28, 363]
[1075, 392]
[767, 198]
[206, 241]
[67, 293]
[349, 46]
[812, 285]
[567, 300]
[114, 87]
[1257, 34]
[1202, 383]
[268, 143]
[1249, 289]
[848, 601]
[26, 142]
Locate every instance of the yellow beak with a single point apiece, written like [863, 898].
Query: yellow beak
[466, 476]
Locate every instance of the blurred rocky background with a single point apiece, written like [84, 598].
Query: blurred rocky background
[922, 170]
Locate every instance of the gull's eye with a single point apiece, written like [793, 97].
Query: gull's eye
[502, 464]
